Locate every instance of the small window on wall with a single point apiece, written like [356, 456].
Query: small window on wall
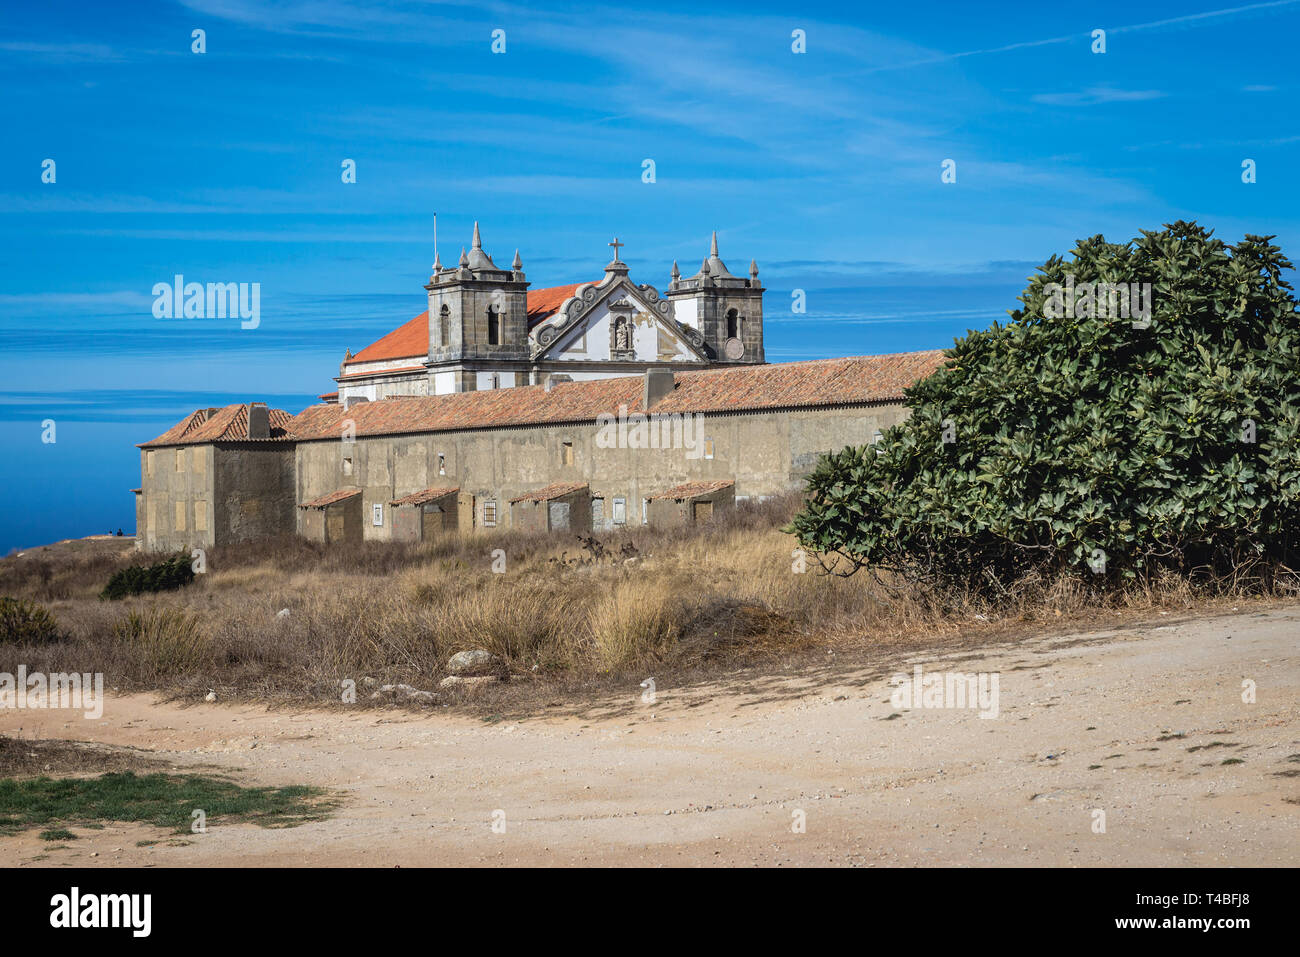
[645, 511]
[377, 514]
[347, 465]
[496, 381]
[442, 464]
[180, 460]
[597, 513]
[708, 448]
[620, 511]
[489, 514]
[180, 516]
[566, 453]
[148, 461]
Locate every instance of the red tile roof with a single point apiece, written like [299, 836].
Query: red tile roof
[692, 490]
[543, 302]
[339, 496]
[227, 424]
[822, 382]
[408, 341]
[328, 397]
[426, 495]
[411, 339]
[556, 490]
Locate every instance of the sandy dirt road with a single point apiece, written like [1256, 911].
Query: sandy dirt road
[1135, 722]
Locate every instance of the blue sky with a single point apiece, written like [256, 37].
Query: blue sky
[824, 166]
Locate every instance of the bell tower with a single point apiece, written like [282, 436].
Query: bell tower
[725, 309]
[478, 322]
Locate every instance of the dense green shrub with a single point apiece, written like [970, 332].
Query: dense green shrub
[1088, 442]
[166, 575]
[26, 621]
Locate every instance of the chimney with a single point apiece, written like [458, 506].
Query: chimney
[259, 421]
[354, 400]
[658, 383]
[555, 378]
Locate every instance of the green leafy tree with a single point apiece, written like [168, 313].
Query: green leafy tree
[1084, 437]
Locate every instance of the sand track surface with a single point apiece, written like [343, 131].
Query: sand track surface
[1135, 722]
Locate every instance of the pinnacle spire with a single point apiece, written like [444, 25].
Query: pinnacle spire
[753, 269]
[713, 247]
[464, 259]
[676, 272]
[478, 242]
[518, 264]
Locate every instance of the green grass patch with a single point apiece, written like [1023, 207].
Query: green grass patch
[163, 800]
[58, 834]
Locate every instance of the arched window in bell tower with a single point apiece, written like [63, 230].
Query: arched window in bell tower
[733, 324]
[494, 326]
[444, 326]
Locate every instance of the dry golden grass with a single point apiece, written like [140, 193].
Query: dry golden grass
[563, 617]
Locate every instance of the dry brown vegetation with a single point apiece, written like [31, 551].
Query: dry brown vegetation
[566, 616]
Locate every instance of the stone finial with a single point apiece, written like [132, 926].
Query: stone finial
[464, 257]
[437, 264]
[704, 268]
[478, 241]
[518, 263]
[753, 269]
[677, 274]
[713, 247]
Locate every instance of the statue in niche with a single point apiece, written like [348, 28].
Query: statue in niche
[622, 341]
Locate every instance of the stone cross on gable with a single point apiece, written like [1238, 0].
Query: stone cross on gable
[616, 244]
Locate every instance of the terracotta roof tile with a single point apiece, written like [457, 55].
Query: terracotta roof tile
[543, 302]
[227, 424]
[822, 382]
[692, 490]
[408, 341]
[337, 496]
[555, 490]
[411, 339]
[425, 495]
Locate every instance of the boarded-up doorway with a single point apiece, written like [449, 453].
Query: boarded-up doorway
[559, 516]
[701, 512]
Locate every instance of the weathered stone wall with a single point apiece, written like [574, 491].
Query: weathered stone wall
[176, 498]
[238, 492]
[671, 513]
[764, 453]
[220, 494]
[255, 492]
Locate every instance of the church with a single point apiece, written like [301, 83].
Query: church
[507, 407]
[485, 329]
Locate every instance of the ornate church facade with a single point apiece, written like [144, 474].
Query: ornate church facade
[485, 329]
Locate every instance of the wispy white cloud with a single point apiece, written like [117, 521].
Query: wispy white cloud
[60, 52]
[1096, 95]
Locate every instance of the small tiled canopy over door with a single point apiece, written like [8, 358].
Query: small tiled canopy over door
[559, 516]
[701, 512]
